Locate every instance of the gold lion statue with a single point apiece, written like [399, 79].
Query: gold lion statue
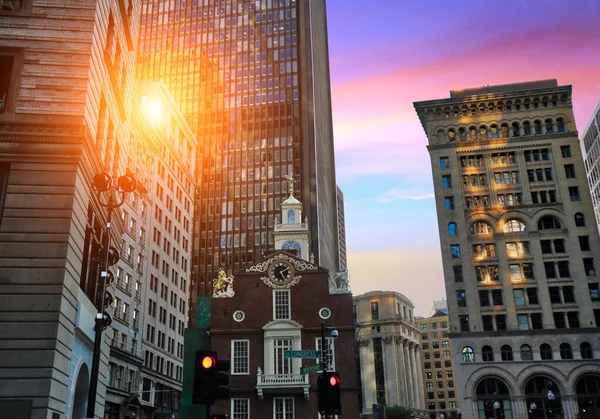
[221, 283]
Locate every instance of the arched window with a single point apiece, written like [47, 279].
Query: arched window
[441, 136]
[565, 351]
[452, 229]
[546, 351]
[504, 131]
[579, 220]
[513, 225]
[493, 399]
[291, 217]
[487, 354]
[526, 354]
[506, 353]
[516, 132]
[451, 135]
[481, 227]
[548, 222]
[549, 126]
[586, 350]
[542, 397]
[588, 392]
[560, 125]
[468, 354]
[462, 134]
[526, 128]
[494, 131]
[537, 125]
[483, 134]
[472, 134]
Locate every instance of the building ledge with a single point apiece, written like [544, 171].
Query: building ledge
[284, 383]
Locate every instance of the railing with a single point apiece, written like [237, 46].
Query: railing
[286, 227]
[281, 380]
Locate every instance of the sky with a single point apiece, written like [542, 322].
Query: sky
[386, 54]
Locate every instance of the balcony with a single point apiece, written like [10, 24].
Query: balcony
[291, 227]
[286, 383]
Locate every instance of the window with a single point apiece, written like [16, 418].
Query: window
[559, 320]
[283, 407]
[481, 227]
[506, 353]
[523, 321]
[9, 62]
[568, 294]
[497, 297]
[546, 351]
[586, 350]
[455, 251]
[565, 351]
[574, 193]
[565, 150]
[512, 226]
[519, 295]
[4, 168]
[594, 290]
[444, 162]
[374, 310]
[584, 243]
[517, 249]
[446, 182]
[240, 356]
[526, 353]
[240, 408]
[484, 298]
[449, 203]
[570, 171]
[487, 273]
[579, 220]
[548, 222]
[588, 266]
[468, 354]
[281, 304]
[452, 229]
[488, 323]
[464, 323]
[521, 272]
[461, 298]
[458, 273]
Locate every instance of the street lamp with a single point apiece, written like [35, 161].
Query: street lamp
[102, 183]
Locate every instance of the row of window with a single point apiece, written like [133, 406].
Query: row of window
[526, 353]
[504, 158]
[504, 130]
[525, 321]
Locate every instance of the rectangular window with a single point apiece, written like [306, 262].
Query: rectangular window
[458, 273]
[523, 321]
[554, 293]
[449, 203]
[374, 310]
[500, 322]
[584, 243]
[559, 320]
[594, 290]
[455, 251]
[497, 297]
[240, 357]
[281, 304]
[532, 295]
[574, 193]
[461, 298]
[464, 323]
[240, 408]
[281, 364]
[484, 298]
[588, 266]
[563, 269]
[446, 182]
[4, 168]
[283, 407]
[570, 171]
[573, 318]
[488, 323]
[444, 162]
[536, 321]
[565, 151]
[519, 297]
[568, 294]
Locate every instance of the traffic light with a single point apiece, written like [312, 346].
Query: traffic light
[211, 378]
[328, 391]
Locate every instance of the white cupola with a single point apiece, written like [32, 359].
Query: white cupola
[292, 233]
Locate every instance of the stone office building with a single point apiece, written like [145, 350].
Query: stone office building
[389, 349]
[520, 249]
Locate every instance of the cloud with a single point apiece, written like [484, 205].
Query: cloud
[397, 195]
[416, 274]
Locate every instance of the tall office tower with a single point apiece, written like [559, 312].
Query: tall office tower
[519, 247]
[341, 220]
[437, 368]
[591, 146]
[252, 79]
[65, 82]
[389, 348]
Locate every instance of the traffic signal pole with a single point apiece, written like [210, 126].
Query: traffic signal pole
[324, 348]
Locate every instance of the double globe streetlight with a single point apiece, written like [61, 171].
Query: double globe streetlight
[101, 184]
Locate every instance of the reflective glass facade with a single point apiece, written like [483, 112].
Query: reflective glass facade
[242, 74]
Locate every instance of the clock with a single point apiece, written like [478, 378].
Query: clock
[281, 272]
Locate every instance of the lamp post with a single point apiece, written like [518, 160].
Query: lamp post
[100, 184]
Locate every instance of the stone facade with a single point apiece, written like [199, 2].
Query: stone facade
[520, 249]
[591, 148]
[389, 350]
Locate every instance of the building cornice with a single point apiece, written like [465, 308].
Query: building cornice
[500, 144]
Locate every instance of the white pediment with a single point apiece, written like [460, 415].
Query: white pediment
[282, 325]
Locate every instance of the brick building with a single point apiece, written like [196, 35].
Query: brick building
[275, 305]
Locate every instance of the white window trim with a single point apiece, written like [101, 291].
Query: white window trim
[284, 398]
[289, 314]
[233, 357]
[233, 404]
[331, 345]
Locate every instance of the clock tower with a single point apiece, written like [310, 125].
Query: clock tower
[292, 233]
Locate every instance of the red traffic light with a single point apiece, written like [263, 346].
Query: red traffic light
[208, 362]
[334, 380]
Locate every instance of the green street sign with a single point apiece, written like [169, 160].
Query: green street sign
[302, 354]
[311, 368]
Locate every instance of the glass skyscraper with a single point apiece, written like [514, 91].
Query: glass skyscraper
[252, 79]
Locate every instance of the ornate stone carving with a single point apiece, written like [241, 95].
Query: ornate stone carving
[398, 339]
[300, 265]
[339, 282]
[388, 340]
[288, 285]
[223, 285]
[363, 343]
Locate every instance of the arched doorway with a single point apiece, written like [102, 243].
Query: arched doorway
[588, 393]
[493, 399]
[542, 396]
[81, 393]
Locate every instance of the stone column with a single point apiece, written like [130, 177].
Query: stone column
[414, 376]
[409, 379]
[390, 371]
[367, 369]
[402, 396]
[569, 406]
[420, 377]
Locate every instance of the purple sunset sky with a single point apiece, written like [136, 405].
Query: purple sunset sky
[384, 55]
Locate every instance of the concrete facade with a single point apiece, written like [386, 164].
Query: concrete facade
[341, 220]
[519, 246]
[389, 348]
[591, 148]
[438, 365]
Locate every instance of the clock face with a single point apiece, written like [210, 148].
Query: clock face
[281, 272]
